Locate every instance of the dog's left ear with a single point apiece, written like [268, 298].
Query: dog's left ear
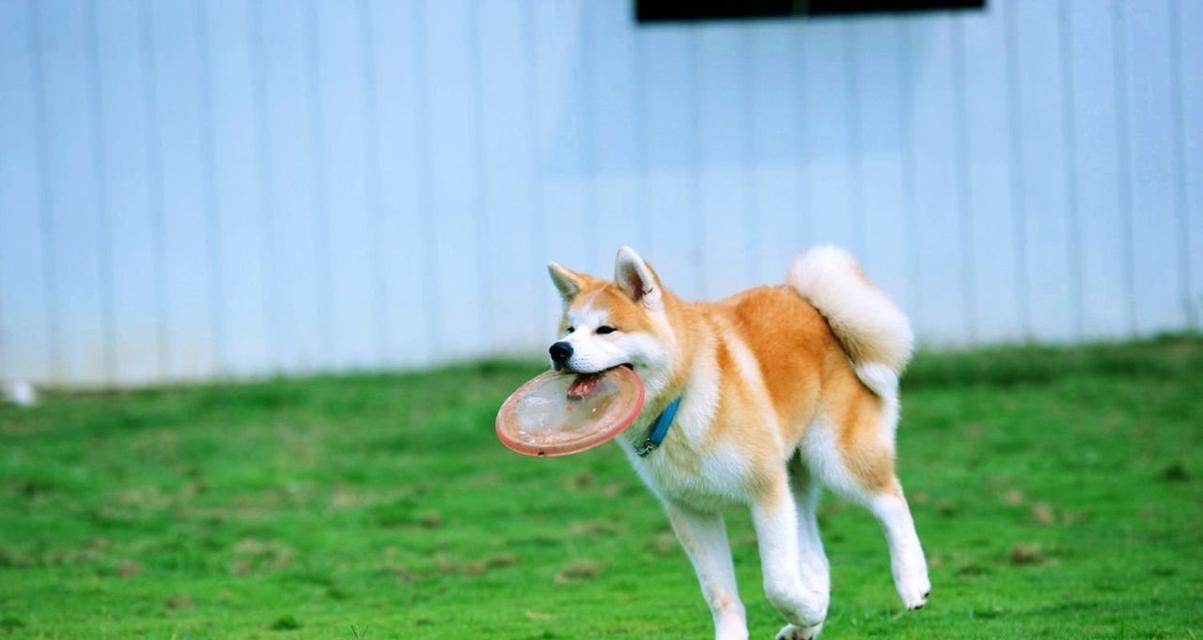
[636, 278]
[568, 282]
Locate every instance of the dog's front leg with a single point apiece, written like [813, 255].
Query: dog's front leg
[704, 537]
[775, 517]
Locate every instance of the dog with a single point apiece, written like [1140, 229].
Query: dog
[771, 394]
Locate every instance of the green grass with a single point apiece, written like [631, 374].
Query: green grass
[1059, 494]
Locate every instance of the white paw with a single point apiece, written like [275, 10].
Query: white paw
[910, 578]
[801, 606]
[794, 632]
[913, 589]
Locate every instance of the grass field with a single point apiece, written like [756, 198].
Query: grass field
[1059, 494]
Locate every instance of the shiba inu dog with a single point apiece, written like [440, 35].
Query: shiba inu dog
[777, 392]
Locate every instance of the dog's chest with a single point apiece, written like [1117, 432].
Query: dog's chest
[715, 479]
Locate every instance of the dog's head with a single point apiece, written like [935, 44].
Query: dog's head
[611, 323]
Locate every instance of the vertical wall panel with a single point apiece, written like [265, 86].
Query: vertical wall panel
[1188, 20]
[828, 129]
[295, 269]
[104, 215]
[1156, 228]
[350, 212]
[454, 201]
[1043, 180]
[567, 229]
[26, 289]
[1073, 193]
[776, 143]
[1103, 226]
[242, 310]
[72, 187]
[319, 185]
[376, 283]
[940, 312]
[131, 237]
[905, 67]
[520, 287]
[187, 225]
[615, 85]
[670, 62]
[992, 247]
[723, 155]
[400, 107]
[879, 152]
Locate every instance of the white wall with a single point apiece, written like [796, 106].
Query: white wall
[206, 188]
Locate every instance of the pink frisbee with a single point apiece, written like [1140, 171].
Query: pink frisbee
[555, 414]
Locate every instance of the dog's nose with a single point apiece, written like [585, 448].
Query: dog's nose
[560, 352]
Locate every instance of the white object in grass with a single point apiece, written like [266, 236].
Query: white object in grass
[21, 393]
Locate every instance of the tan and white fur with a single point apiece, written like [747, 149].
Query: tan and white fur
[784, 390]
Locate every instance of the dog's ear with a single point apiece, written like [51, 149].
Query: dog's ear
[636, 278]
[568, 282]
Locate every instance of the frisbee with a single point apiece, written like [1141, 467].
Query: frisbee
[555, 413]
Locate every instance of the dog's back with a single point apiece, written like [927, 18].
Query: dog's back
[826, 342]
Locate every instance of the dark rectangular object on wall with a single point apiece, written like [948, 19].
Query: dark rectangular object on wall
[692, 10]
[838, 7]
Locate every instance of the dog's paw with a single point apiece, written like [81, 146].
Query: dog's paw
[912, 583]
[794, 632]
[913, 593]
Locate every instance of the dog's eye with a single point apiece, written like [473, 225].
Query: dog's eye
[604, 329]
[571, 329]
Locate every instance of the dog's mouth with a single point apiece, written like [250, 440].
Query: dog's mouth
[585, 383]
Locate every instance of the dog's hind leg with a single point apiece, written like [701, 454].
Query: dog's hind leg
[805, 488]
[704, 537]
[775, 516]
[860, 467]
[906, 554]
[816, 572]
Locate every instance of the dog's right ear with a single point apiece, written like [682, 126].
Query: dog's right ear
[636, 278]
[568, 282]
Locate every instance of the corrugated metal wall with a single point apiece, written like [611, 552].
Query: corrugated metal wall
[203, 188]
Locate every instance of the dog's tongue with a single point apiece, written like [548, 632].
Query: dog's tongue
[583, 385]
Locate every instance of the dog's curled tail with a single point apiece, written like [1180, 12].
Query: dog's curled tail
[872, 329]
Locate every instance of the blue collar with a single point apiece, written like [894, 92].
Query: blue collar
[659, 429]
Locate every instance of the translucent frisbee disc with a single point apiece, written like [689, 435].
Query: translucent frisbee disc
[555, 413]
